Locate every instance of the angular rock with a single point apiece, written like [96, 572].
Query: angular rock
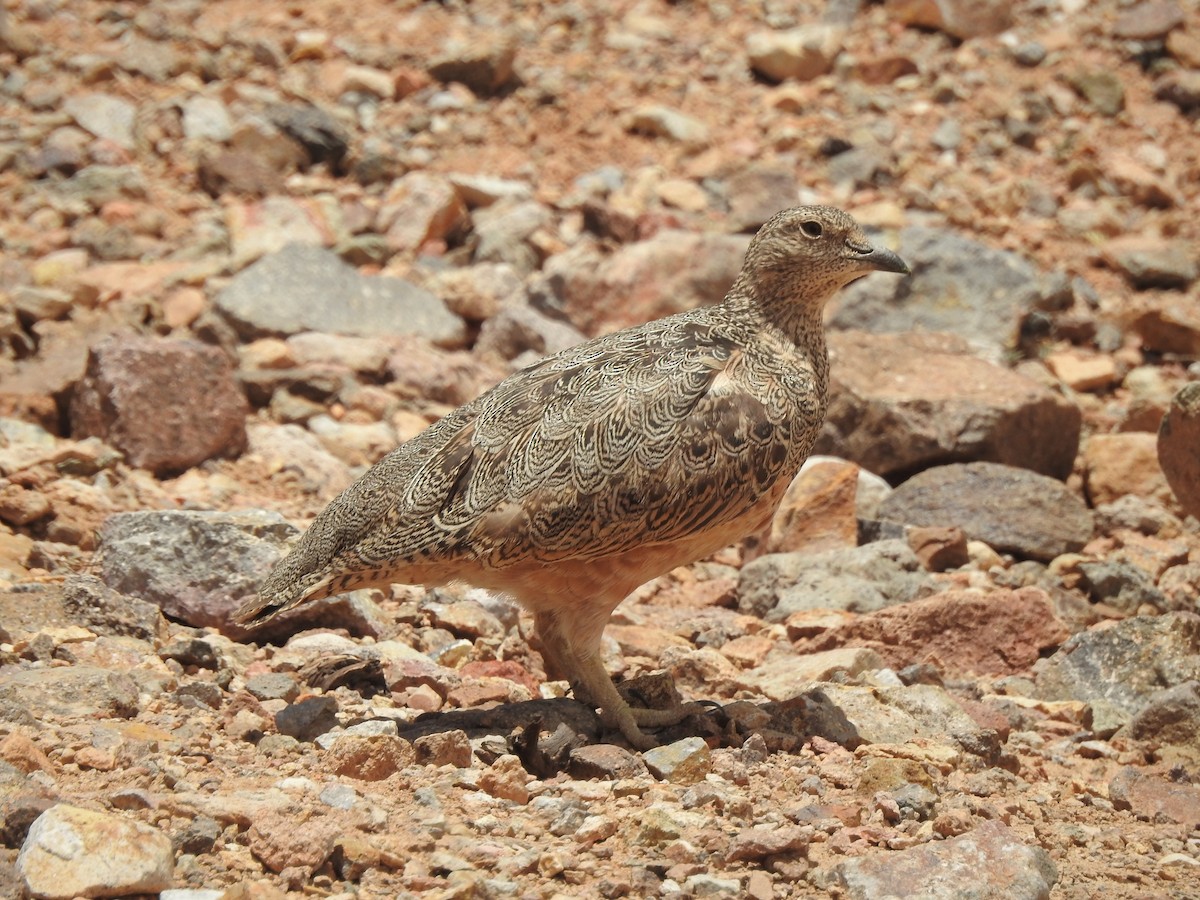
[986, 863]
[71, 692]
[421, 208]
[1169, 324]
[89, 601]
[861, 579]
[280, 842]
[662, 121]
[195, 566]
[206, 118]
[1178, 447]
[665, 274]
[1118, 669]
[962, 19]
[958, 285]
[503, 233]
[103, 115]
[1170, 716]
[682, 762]
[818, 511]
[903, 402]
[167, 405]
[483, 61]
[314, 129]
[1153, 262]
[963, 633]
[801, 53]
[852, 715]
[782, 678]
[74, 852]
[605, 761]
[302, 288]
[1118, 464]
[1012, 510]
[1154, 798]
[1150, 20]
[761, 841]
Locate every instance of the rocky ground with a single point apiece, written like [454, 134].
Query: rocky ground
[249, 247]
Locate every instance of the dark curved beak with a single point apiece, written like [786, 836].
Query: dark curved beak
[884, 260]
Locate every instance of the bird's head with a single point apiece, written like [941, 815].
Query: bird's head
[806, 254]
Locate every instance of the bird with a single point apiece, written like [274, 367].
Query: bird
[579, 478]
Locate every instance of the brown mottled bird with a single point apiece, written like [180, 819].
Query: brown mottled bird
[579, 478]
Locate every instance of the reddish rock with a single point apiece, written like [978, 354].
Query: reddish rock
[606, 761]
[961, 632]
[987, 861]
[368, 757]
[420, 209]
[167, 405]
[903, 402]
[818, 510]
[1169, 324]
[939, 548]
[1120, 464]
[962, 19]
[443, 748]
[1179, 447]
[281, 841]
[1154, 798]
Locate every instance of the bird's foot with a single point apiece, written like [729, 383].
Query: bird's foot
[630, 720]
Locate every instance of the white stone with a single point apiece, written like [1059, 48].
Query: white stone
[74, 852]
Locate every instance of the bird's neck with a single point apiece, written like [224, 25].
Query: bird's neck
[795, 314]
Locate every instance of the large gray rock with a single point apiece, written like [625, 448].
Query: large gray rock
[304, 288]
[904, 402]
[860, 579]
[1012, 510]
[196, 566]
[987, 863]
[957, 285]
[1118, 670]
[167, 405]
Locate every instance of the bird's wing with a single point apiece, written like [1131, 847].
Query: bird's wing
[645, 437]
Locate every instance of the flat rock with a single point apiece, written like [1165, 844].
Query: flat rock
[306, 288]
[74, 852]
[1012, 510]
[859, 579]
[1178, 447]
[71, 692]
[1118, 669]
[903, 402]
[958, 285]
[196, 566]
[962, 633]
[852, 715]
[1169, 323]
[986, 863]
[166, 404]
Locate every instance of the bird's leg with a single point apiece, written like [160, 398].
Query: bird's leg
[592, 685]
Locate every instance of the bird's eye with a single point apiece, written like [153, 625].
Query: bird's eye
[811, 228]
